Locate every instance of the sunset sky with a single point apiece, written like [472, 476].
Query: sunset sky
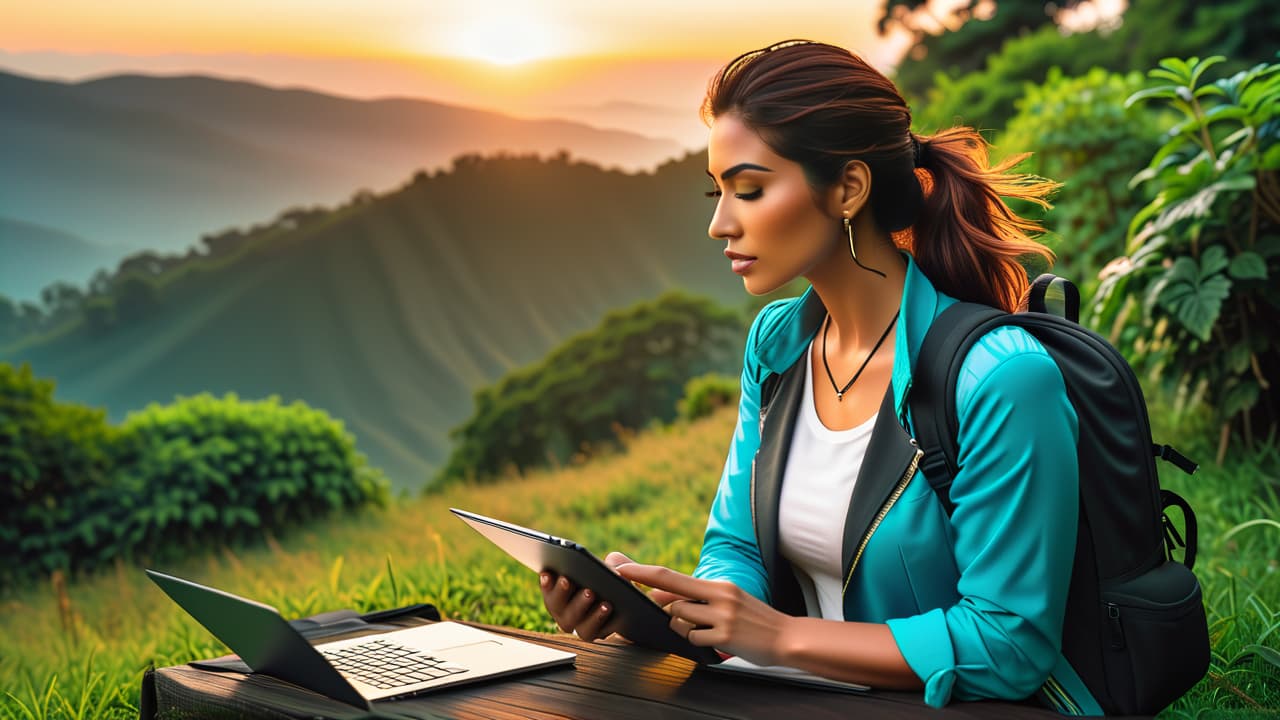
[501, 31]
[547, 57]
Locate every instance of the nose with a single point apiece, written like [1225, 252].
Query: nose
[723, 225]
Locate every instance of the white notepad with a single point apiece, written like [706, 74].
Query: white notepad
[784, 674]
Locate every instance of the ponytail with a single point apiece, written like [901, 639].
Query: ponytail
[966, 240]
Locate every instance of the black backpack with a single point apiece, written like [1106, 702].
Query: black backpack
[1135, 629]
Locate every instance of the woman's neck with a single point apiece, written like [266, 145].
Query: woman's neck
[860, 302]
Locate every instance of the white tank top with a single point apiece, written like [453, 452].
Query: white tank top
[822, 467]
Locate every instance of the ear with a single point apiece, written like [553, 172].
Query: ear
[851, 191]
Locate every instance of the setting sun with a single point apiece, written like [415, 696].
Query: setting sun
[510, 38]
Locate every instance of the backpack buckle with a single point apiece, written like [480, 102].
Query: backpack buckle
[1180, 461]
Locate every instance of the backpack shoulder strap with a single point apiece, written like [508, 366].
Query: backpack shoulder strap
[1055, 296]
[932, 397]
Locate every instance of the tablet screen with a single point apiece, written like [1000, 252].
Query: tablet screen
[639, 618]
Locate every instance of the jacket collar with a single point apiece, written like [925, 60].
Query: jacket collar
[890, 454]
[789, 332]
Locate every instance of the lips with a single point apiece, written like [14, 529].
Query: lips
[740, 262]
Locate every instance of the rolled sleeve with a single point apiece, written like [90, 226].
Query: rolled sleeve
[1014, 525]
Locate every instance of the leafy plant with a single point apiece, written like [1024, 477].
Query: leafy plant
[1082, 135]
[1195, 294]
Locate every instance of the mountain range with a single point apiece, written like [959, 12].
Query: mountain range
[390, 310]
[133, 162]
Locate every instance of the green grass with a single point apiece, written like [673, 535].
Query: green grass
[81, 653]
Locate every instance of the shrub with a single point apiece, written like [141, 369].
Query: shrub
[705, 393]
[53, 464]
[216, 470]
[1196, 294]
[77, 493]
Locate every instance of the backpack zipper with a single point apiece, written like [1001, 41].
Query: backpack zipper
[884, 510]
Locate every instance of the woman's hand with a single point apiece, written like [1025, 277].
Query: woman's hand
[714, 613]
[579, 610]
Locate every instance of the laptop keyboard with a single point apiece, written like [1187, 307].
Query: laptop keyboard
[386, 665]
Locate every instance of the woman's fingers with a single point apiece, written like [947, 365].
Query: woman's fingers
[693, 612]
[664, 598]
[614, 559]
[661, 578]
[573, 609]
[556, 591]
[596, 622]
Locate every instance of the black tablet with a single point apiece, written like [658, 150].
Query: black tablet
[640, 619]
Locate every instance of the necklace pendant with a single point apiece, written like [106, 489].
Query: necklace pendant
[840, 396]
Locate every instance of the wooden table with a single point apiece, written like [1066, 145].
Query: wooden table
[608, 680]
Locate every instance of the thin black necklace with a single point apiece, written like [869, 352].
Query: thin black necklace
[840, 391]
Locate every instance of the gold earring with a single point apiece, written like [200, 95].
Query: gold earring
[848, 228]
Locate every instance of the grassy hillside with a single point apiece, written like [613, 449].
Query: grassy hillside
[649, 501]
[135, 162]
[389, 313]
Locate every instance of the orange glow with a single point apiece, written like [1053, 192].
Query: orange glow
[498, 31]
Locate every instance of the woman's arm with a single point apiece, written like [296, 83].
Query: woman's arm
[1016, 498]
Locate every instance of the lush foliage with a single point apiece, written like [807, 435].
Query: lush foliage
[624, 374]
[203, 472]
[1084, 136]
[87, 645]
[705, 394]
[975, 75]
[1196, 292]
[54, 467]
[218, 470]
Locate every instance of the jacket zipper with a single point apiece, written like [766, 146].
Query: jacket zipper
[752, 488]
[888, 504]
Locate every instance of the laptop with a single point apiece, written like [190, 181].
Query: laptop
[359, 670]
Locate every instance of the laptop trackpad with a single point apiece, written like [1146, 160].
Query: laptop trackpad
[468, 645]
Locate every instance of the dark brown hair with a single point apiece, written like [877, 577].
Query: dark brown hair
[821, 106]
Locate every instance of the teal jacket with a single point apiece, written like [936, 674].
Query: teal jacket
[975, 601]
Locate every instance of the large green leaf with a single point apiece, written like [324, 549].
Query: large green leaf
[1248, 265]
[1193, 299]
[1213, 260]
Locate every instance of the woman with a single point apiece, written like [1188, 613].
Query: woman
[825, 549]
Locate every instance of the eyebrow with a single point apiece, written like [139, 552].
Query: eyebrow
[739, 168]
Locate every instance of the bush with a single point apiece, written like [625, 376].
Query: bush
[208, 470]
[77, 493]
[704, 394]
[53, 463]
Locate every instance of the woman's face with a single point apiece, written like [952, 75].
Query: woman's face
[765, 211]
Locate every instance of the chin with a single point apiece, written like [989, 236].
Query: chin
[757, 287]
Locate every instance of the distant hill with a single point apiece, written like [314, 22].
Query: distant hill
[133, 162]
[388, 313]
[24, 246]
